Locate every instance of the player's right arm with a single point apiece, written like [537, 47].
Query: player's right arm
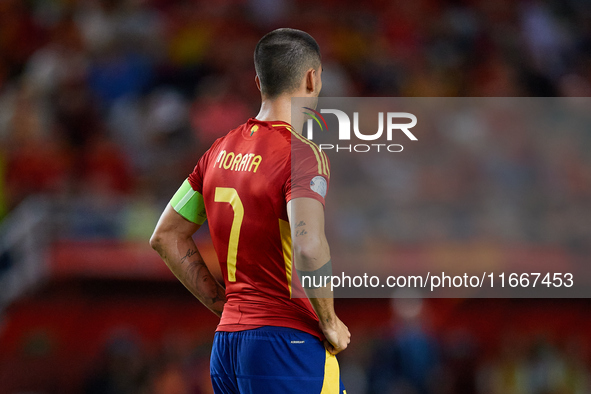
[173, 240]
[312, 258]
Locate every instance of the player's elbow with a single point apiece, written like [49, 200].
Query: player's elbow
[309, 249]
[157, 240]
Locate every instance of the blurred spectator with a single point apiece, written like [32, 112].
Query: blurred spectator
[37, 161]
[532, 367]
[19, 36]
[123, 369]
[216, 110]
[407, 360]
[105, 170]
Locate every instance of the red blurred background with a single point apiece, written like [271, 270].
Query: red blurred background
[105, 106]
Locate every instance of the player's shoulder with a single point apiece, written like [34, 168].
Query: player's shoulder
[238, 130]
[253, 129]
[306, 151]
[301, 143]
[220, 142]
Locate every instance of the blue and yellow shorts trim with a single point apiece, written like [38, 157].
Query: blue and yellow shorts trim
[273, 360]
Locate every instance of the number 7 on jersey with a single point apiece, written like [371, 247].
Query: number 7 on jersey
[230, 195]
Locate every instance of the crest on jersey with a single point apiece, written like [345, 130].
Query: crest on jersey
[318, 184]
[253, 129]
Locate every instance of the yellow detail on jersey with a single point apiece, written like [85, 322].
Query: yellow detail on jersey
[255, 162]
[325, 161]
[288, 127]
[238, 162]
[244, 162]
[323, 168]
[331, 384]
[285, 232]
[229, 159]
[253, 129]
[317, 152]
[230, 195]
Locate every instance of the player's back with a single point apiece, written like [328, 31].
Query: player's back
[245, 180]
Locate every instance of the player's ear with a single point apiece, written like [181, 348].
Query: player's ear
[311, 84]
[257, 81]
[319, 80]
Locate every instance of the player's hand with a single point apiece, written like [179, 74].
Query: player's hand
[337, 336]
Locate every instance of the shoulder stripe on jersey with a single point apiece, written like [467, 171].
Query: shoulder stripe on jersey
[316, 150]
[323, 167]
[324, 162]
[326, 166]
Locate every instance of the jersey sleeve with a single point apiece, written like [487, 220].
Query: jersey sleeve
[310, 172]
[196, 177]
[188, 200]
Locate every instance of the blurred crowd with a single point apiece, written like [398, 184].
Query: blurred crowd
[405, 357]
[126, 366]
[111, 101]
[116, 98]
[411, 358]
[503, 171]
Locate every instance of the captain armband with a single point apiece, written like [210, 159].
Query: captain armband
[317, 278]
[189, 203]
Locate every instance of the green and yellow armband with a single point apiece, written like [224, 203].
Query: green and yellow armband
[189, 203]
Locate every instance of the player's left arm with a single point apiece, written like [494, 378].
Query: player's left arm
[173, 240]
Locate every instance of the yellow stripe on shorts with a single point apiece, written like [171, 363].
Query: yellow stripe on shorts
[331, 383]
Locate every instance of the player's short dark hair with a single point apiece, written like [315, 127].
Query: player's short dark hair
[281, 59]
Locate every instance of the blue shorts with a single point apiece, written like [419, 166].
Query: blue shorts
[273, 360]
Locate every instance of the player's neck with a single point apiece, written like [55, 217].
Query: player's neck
[278, 109]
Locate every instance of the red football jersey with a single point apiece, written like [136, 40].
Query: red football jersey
[246, 181]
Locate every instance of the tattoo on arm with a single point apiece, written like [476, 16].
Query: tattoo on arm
[220, 296]
[205, 284]
[195, 276]
[301, 232]
[190, 253]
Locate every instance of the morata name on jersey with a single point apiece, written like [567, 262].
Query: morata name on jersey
[238, 162]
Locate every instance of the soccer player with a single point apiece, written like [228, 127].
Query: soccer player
[273, 336]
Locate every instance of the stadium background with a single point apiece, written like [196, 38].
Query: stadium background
[105, 105]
